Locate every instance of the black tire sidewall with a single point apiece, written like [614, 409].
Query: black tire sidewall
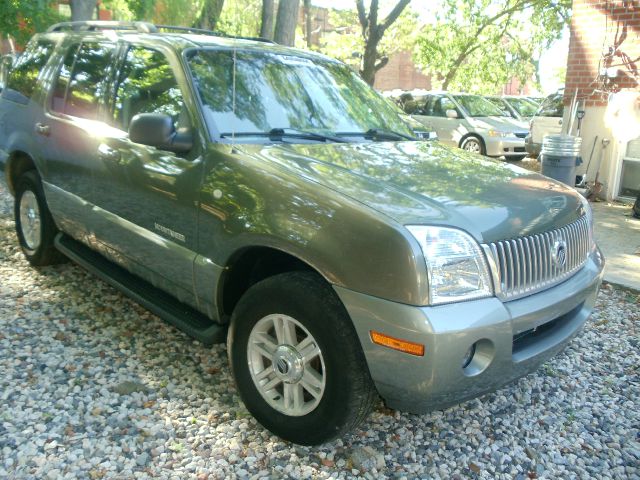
[324, 317]
[44, 253]
[473, 138]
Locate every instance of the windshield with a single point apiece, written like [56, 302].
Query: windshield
[277, 91]
[522, 106]
[477, 106]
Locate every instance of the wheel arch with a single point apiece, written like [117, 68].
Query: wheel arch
[475, 135]
[17, 163]
[248, 266]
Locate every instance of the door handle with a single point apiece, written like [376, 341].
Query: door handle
[105, 152]
[42, 129]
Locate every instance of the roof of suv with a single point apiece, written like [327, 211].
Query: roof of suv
[178, 37]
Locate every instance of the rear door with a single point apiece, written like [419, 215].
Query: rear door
[68, 129]
[147, 198]
[434, 113]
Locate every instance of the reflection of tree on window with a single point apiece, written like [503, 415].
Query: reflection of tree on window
[24, 76]
[287, 91]
[86, 88]
[147, 85]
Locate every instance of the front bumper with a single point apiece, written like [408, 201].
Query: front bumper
[507, 347]
[507, 146]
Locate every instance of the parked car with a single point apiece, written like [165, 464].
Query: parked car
[267, 197]
[470, 122]
[520, 108]
[546, 121]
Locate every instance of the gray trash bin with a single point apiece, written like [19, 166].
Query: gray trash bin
[560, 155]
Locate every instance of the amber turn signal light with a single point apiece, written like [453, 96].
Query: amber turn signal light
[397, 344]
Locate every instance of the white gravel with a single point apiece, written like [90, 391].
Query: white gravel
[94, 386]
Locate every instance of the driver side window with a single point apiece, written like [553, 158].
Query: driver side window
[146, 84]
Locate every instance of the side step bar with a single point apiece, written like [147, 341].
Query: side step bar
[182, 316]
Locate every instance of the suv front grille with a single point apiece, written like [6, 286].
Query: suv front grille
[527, 265]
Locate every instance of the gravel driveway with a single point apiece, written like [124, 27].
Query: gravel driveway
[94, 386]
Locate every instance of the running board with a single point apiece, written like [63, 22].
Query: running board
[182, 316]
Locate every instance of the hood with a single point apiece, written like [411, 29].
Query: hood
[505, 124]
[431, 184]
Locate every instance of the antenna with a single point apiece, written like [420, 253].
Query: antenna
[233, 81]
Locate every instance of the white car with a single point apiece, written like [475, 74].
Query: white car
[546, 121]
[470, 122]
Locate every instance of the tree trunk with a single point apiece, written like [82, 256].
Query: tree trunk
[286, 22]
[307, 22]
[210, 14]
[82, 10]
[369, 58]
[266, 26]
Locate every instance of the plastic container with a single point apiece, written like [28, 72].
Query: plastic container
[560, 155]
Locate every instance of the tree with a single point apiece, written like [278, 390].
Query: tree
[286, 22]
[82, 9]
[266, 24]
[307, 23]
[210, 14]
[347, 43]
[372, 33]
[20, 19]
[477, 45]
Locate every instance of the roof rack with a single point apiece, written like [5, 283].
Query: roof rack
[95, 25]
[142, 27]
[202, 31]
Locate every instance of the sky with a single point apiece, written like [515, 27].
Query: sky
[550, 61]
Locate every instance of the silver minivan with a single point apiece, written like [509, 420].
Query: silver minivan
[470, 122]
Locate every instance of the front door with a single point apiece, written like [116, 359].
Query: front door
[147, 198]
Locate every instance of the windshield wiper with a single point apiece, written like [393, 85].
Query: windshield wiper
[378, 133]
[277, 134]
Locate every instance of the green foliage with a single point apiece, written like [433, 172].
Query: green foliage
[22, 18]
[346, 42]
[241, 17]
[478, 45]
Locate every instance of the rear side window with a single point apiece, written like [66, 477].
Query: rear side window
[82, 80]
[24, 76]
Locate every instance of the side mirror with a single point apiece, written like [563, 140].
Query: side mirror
[157, 130]
[451, 113]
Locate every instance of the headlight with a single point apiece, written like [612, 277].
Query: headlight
[498, 133]
[589, 213]
[456, 265]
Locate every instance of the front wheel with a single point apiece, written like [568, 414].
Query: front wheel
[473, 144]
[297, 361]
[35, 227]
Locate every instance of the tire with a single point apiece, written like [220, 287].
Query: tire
[636, 207]
[343, 392]
[35, 227]
[473, 144]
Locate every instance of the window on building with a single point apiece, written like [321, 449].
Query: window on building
[24, 76]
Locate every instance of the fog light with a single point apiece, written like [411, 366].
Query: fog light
[466, 360]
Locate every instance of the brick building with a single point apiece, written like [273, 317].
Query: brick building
[603, 73]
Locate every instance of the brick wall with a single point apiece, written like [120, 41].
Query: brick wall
[604, 34]
[401, 73]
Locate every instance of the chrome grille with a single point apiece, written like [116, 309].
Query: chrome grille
[526, 265]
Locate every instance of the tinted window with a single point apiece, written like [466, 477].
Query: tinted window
[86, 87]
[147, 85]
[24, 76]
[439, 105]
[62, 82]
